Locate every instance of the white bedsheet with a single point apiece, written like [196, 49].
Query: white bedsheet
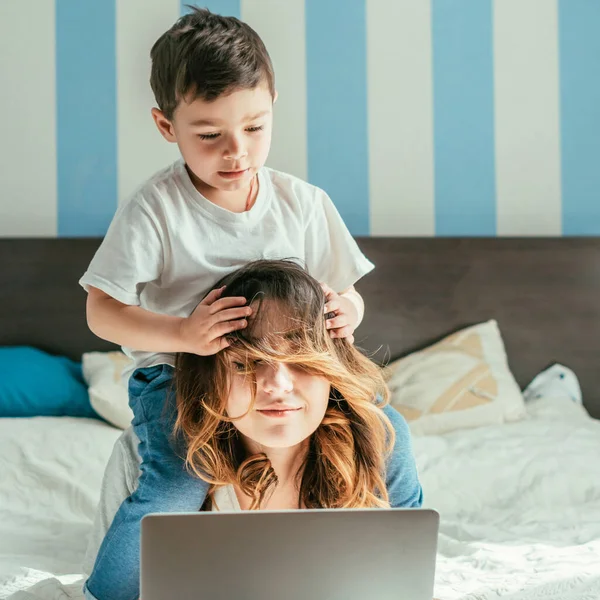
[520, 505]
[50, 475]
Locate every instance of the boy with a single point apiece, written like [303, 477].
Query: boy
[190, 224]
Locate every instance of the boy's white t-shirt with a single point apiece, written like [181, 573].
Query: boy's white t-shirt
[167, 247]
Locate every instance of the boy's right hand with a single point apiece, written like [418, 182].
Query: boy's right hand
[204, 331]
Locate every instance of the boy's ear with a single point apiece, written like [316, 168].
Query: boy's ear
[164, 125]
[275, 97]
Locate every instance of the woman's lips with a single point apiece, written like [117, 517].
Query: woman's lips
[278, 412]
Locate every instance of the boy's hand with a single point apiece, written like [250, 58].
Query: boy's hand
[204, 331]
[345, 319]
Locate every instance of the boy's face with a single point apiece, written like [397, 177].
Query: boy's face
[224, 142]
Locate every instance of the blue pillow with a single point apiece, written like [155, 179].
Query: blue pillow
[34, 383]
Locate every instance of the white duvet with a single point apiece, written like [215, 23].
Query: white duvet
[519, 504]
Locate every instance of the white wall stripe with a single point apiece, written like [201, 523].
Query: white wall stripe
[400, 117]
[281, 25]
[527, 120]
[141, 149]
[28, 206]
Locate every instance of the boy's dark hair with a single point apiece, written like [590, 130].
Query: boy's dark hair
[206, 55]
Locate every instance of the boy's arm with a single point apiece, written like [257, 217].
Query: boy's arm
[132, 326]
[203, 332]
[357, 301]
[334, 258]
[331, 254]
[344, 312]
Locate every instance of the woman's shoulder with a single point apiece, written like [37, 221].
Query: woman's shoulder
[398, 423]
[402, 479]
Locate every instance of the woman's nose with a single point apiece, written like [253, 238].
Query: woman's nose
[276, 379]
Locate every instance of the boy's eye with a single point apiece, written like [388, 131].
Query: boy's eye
[214, 136]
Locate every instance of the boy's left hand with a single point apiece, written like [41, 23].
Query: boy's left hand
[345, 319]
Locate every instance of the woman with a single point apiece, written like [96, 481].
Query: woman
[285, 417]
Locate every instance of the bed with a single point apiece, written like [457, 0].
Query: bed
[519, 502]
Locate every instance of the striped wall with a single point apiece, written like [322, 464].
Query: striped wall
[419, 117]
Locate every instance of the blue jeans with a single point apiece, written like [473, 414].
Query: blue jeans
[164, 486]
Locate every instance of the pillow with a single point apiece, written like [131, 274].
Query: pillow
[557, 381]
[36, 384]
[109, 396]
[555, 393]
[462, 381]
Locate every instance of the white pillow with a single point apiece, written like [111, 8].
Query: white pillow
[103, 372]
[555, 393]
[462, 381]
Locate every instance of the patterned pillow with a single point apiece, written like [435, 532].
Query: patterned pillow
[462, 381]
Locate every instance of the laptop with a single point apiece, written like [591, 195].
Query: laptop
[341, 554]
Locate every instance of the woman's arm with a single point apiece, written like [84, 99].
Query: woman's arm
[403, 486]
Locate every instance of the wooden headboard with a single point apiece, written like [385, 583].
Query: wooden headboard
[544, 293]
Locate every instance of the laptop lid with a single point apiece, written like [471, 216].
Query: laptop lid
[341, 554]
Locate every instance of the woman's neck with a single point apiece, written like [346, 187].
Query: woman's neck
[286, 462]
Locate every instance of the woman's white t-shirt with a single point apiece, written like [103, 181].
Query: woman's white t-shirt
[225, 500]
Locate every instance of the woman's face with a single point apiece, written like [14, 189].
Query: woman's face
[289, 406]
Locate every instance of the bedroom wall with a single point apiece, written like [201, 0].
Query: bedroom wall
[419, 117]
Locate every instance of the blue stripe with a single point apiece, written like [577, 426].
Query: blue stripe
[86, 128]
[336, 68]
[579, 44]
[465, 179]
[228, 8]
